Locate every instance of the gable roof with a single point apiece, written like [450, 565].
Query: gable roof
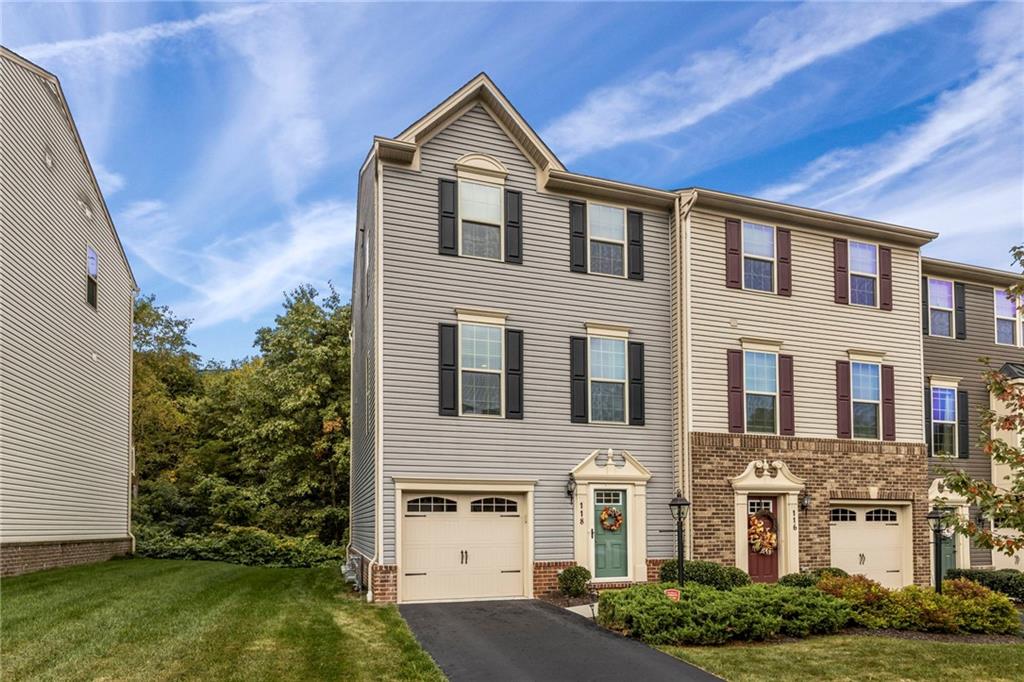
[968, 272]
[482, 89]
[54, 83]
[1013, 370]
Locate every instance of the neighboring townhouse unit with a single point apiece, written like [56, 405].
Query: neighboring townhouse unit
[802, 362]
[965, 316]
[512, 363]
[66, 301]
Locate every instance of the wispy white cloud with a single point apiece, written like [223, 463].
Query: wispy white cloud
[778, 45]
[110, 182]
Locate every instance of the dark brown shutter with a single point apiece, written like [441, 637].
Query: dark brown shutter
[737, 424]
[784, 240]
[578, 371]
[928, 417]
[577, 237]
[787, 418]
[925, 317]
[636, 383]
[963, 420]
[844, 418]
[960, 309]
[635, 238]
[841, 271]
[448, 370]
[513, 226]
[513, 374]
[733, 257]
[888, 403]
[885, 277]
[447, 217]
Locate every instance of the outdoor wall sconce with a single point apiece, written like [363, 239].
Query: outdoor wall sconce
[570, 488]
[805, 502]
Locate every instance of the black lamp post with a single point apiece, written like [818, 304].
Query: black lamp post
[679, 506]
[935, 519]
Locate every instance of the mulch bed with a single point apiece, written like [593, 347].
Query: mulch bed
[559, 599]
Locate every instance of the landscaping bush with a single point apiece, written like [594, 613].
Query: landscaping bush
[1008, 581]
[866, 597]
[706, 615]
[706, 573]
[979, 609]
[572, 581]
[810, 578]
[239, 545]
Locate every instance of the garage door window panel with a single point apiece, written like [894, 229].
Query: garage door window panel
[842, 515]
[881, 516]
[494, 504]
[431, 504]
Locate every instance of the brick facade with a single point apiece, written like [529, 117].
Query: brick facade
[26, 557]
[654, 569]
[832, 469]
[545, 575]
[384, 579]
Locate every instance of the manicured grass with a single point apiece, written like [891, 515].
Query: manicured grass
[857, 658]
[148, 619]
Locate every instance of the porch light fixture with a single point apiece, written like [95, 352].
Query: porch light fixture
[805, 502]
[936, 517]
[570, 488]
[680, 506]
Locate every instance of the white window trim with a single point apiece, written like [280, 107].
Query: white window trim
[88, 276]
[500, 225]
[850, 272]
[616, 335]
[949, 384]
[951, 311]
[853, 401]
[499, 372]
[774, 260]
[603, 240]
[1017, 322]
[775, 394]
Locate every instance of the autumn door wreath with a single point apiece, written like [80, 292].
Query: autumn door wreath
[611, 519]
[761, 534]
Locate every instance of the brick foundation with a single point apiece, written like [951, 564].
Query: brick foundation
[545, 575]
[832, 469]
[654, 569]
[384, 583]
[25, 557]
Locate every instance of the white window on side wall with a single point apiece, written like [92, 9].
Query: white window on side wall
[863, 274]
[607, 236]
[481, 360]
[607, 379]
[940, 307]
[1009, 327]
[866, 394]
[92, 276]
[480, 218]
[758, 257]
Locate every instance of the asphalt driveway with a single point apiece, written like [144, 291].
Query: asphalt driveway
[533, 640]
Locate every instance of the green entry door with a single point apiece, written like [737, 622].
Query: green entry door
[948, 553]
[610, 559]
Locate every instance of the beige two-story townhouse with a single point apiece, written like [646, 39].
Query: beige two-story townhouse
[66, 296]
[512, 364]
[966, 316]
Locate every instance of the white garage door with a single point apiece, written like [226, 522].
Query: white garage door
[869, 541]
[462, 546]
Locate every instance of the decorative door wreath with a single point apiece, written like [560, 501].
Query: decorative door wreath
[761, 535]
[611, 519]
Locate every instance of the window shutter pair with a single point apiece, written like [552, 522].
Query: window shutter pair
[448, 221]
[578, 399]
[841, 273]
[448, 371]
[734, 257]
[844, 401]
[578, 240]
[786, 407]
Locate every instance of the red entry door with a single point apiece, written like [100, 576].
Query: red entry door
[763, 568]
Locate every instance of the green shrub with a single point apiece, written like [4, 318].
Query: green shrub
[1008, 581]
[916, 608]
[810, 578]
[978, 609]
[705, 615]
[572, 581]
[239, 545]
[865, 597]
[669, 572]
[706, 573]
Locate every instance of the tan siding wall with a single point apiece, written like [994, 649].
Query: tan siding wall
[364, 364]
[814, 329]
[548, 302]
[65, 369]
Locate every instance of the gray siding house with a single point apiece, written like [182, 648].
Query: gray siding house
[66, 300]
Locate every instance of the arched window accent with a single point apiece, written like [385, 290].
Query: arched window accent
[494, 504]
[430, 504]
[883, 515]
[840, 514]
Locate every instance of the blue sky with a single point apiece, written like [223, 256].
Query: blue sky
[227, 137]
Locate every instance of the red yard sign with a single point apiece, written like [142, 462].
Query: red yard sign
[672, 593]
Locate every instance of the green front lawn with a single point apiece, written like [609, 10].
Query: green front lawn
[148, 619]
[850, 658]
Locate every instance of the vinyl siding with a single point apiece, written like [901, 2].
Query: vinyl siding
[959, 358]
[364, 365]
[811, 327]
[65, 368]
[550, 304]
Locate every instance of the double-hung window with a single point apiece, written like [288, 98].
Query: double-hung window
[940, 307]
[1009, 325]
[761, 391]
[480, 215]
[481, 360]
[92, 273]
[607, 234]
[944, 420]
[863, 274]
[758, 257]
[866, 394]
[607, 379]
